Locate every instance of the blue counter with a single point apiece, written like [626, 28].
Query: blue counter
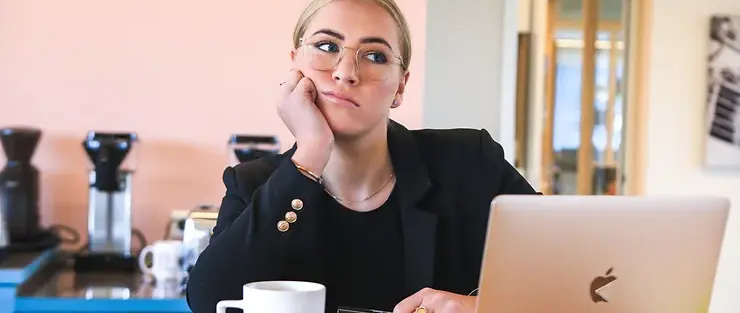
[57, 305]
[41, 283]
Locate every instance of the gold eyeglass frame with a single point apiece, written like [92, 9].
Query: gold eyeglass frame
[302, 44]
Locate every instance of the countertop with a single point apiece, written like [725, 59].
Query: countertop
[18, 267]
[46, 283]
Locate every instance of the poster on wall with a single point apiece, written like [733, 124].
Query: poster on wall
[722, 148]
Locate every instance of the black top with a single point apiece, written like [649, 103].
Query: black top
[445, 181]
[364, 256]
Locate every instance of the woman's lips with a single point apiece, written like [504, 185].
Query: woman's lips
[340, 99]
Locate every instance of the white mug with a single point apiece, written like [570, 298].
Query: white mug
[278, 297]
[166, 258]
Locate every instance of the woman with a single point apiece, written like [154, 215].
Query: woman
[384, 217]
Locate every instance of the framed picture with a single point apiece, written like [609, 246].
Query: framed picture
[722, 148]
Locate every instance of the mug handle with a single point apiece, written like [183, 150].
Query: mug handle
[142, 255]
[221, 306]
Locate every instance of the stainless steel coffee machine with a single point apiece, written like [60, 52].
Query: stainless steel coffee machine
[4, 236]
[112, 164]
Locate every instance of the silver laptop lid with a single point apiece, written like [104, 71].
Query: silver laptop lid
[599, 254]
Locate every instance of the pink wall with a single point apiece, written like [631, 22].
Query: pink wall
[183, 74]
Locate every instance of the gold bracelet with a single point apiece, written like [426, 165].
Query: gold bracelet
[315, 177]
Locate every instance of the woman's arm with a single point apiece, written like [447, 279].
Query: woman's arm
[247, 245]
[495, 165]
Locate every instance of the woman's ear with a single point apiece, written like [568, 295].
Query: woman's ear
[398, 99]
[292, 55]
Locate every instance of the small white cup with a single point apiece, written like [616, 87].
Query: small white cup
[278, 297]
[166, 257]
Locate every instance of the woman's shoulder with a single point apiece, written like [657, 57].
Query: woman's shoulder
[470, 157]
[458, 142]
[249, 175]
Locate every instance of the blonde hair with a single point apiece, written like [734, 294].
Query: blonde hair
[390, 6]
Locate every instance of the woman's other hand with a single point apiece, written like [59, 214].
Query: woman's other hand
[297, 108]
[437, 301]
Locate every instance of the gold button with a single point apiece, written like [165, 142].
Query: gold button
[291, 217]
[296, 204]
[283, 226]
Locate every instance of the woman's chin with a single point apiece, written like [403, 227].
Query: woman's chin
[345, 132]
[346, 129]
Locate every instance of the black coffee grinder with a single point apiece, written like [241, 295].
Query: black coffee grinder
[243, 148]
[19, 187]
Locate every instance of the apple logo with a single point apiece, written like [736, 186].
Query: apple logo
[600, 282]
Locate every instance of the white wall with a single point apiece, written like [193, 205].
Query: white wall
[471, 67]
[674, 102]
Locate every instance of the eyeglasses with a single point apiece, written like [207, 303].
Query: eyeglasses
[373, 61]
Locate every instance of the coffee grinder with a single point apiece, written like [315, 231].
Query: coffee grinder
[112, 164]
[243, 148]
[19, 187]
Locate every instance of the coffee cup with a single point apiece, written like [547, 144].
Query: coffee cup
[166, 260]
[278, 297]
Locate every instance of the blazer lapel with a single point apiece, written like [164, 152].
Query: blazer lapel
[419, 226]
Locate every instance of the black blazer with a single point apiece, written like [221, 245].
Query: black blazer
[446, 181]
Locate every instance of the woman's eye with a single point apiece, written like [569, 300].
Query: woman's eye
[376, 57]
[327, 47]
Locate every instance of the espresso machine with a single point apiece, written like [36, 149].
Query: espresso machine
[19, 190]
[243, 148]
[112, 164]
[198, 226]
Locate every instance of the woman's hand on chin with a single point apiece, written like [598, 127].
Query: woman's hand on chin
[436, 301]
[299, 112]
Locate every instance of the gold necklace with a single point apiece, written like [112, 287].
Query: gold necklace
[363, 200]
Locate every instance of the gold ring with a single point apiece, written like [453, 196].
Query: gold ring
[420, 309]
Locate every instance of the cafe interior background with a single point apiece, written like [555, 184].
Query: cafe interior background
[633, 113]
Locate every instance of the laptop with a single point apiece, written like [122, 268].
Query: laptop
[601, 254]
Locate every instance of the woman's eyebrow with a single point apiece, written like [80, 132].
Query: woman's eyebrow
[339, 36]
[329, 32]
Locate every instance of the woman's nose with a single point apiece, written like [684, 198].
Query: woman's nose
[346, 71]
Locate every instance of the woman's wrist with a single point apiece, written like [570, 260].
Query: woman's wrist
[309, 165]
[308, 173]
[311, 159]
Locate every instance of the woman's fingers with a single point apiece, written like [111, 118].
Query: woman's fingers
[412, 302]
[306, 87]
[436, 301]
[291, 81]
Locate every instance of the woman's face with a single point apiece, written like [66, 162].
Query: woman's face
[356, 87]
